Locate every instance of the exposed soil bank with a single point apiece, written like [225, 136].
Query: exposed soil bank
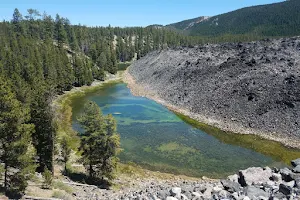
[248, 88]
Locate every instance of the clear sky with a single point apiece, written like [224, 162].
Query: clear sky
[126, 12]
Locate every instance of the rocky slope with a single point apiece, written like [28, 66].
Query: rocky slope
[244, 87]
[252, 183]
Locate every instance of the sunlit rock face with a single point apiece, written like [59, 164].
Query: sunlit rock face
[243, 87]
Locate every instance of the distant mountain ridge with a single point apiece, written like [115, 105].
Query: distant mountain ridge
[277, 19]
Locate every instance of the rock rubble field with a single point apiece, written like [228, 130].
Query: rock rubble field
[252, 183]
[240, 87]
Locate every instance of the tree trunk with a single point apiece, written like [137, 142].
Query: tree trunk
[5, 177]
[66, 170]
[91, 170]
[52, 153]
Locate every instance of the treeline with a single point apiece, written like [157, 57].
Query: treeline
[111, 44]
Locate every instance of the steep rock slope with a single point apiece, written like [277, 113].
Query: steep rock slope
[245, 87]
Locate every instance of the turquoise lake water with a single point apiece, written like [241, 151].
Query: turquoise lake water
[157, 139]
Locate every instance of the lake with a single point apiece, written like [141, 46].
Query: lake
[158, 139]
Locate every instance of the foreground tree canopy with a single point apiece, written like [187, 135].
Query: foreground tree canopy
[100, 142]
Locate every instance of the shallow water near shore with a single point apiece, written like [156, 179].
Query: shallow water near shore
[158, 139]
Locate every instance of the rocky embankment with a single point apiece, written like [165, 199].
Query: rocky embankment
[252, 183]
[240, 87]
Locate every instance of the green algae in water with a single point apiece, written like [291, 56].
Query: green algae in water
[158, 139]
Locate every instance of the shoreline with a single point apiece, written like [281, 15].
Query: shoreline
[145, 91]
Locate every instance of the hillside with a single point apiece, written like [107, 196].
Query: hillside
[240, 87]
[187, 24]
[278, 19]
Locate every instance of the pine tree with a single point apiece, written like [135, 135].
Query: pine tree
[17, 17]
[60, 32]
[100, 142]
[48, 27]
[102, 61]
[45, 130]
[16, 21]
[112, 148]
[16, 153]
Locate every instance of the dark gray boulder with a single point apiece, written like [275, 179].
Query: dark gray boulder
[287, 190]
[286, 174]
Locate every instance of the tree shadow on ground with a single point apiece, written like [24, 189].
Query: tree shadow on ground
[80, 177]
[10, 194]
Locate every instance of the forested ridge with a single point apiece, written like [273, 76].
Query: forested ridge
[41, 57]
[271, 20]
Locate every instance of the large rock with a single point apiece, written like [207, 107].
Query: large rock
[295, 162]
[286, 174]
[175, 192]
[297, 169]
[255, 193]
[294, 176]
[234, 178]
[196, 194]
[208, 192]
[231, 186]
[223, 194]
[276, 177]
[183, 197]
[297, 183]
[199, 188]
[290, 184]
[287, 190]
[162, 194]
[254, 176]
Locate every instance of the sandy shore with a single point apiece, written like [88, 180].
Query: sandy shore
[138, 89]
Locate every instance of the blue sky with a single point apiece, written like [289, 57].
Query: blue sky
[126, 12]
